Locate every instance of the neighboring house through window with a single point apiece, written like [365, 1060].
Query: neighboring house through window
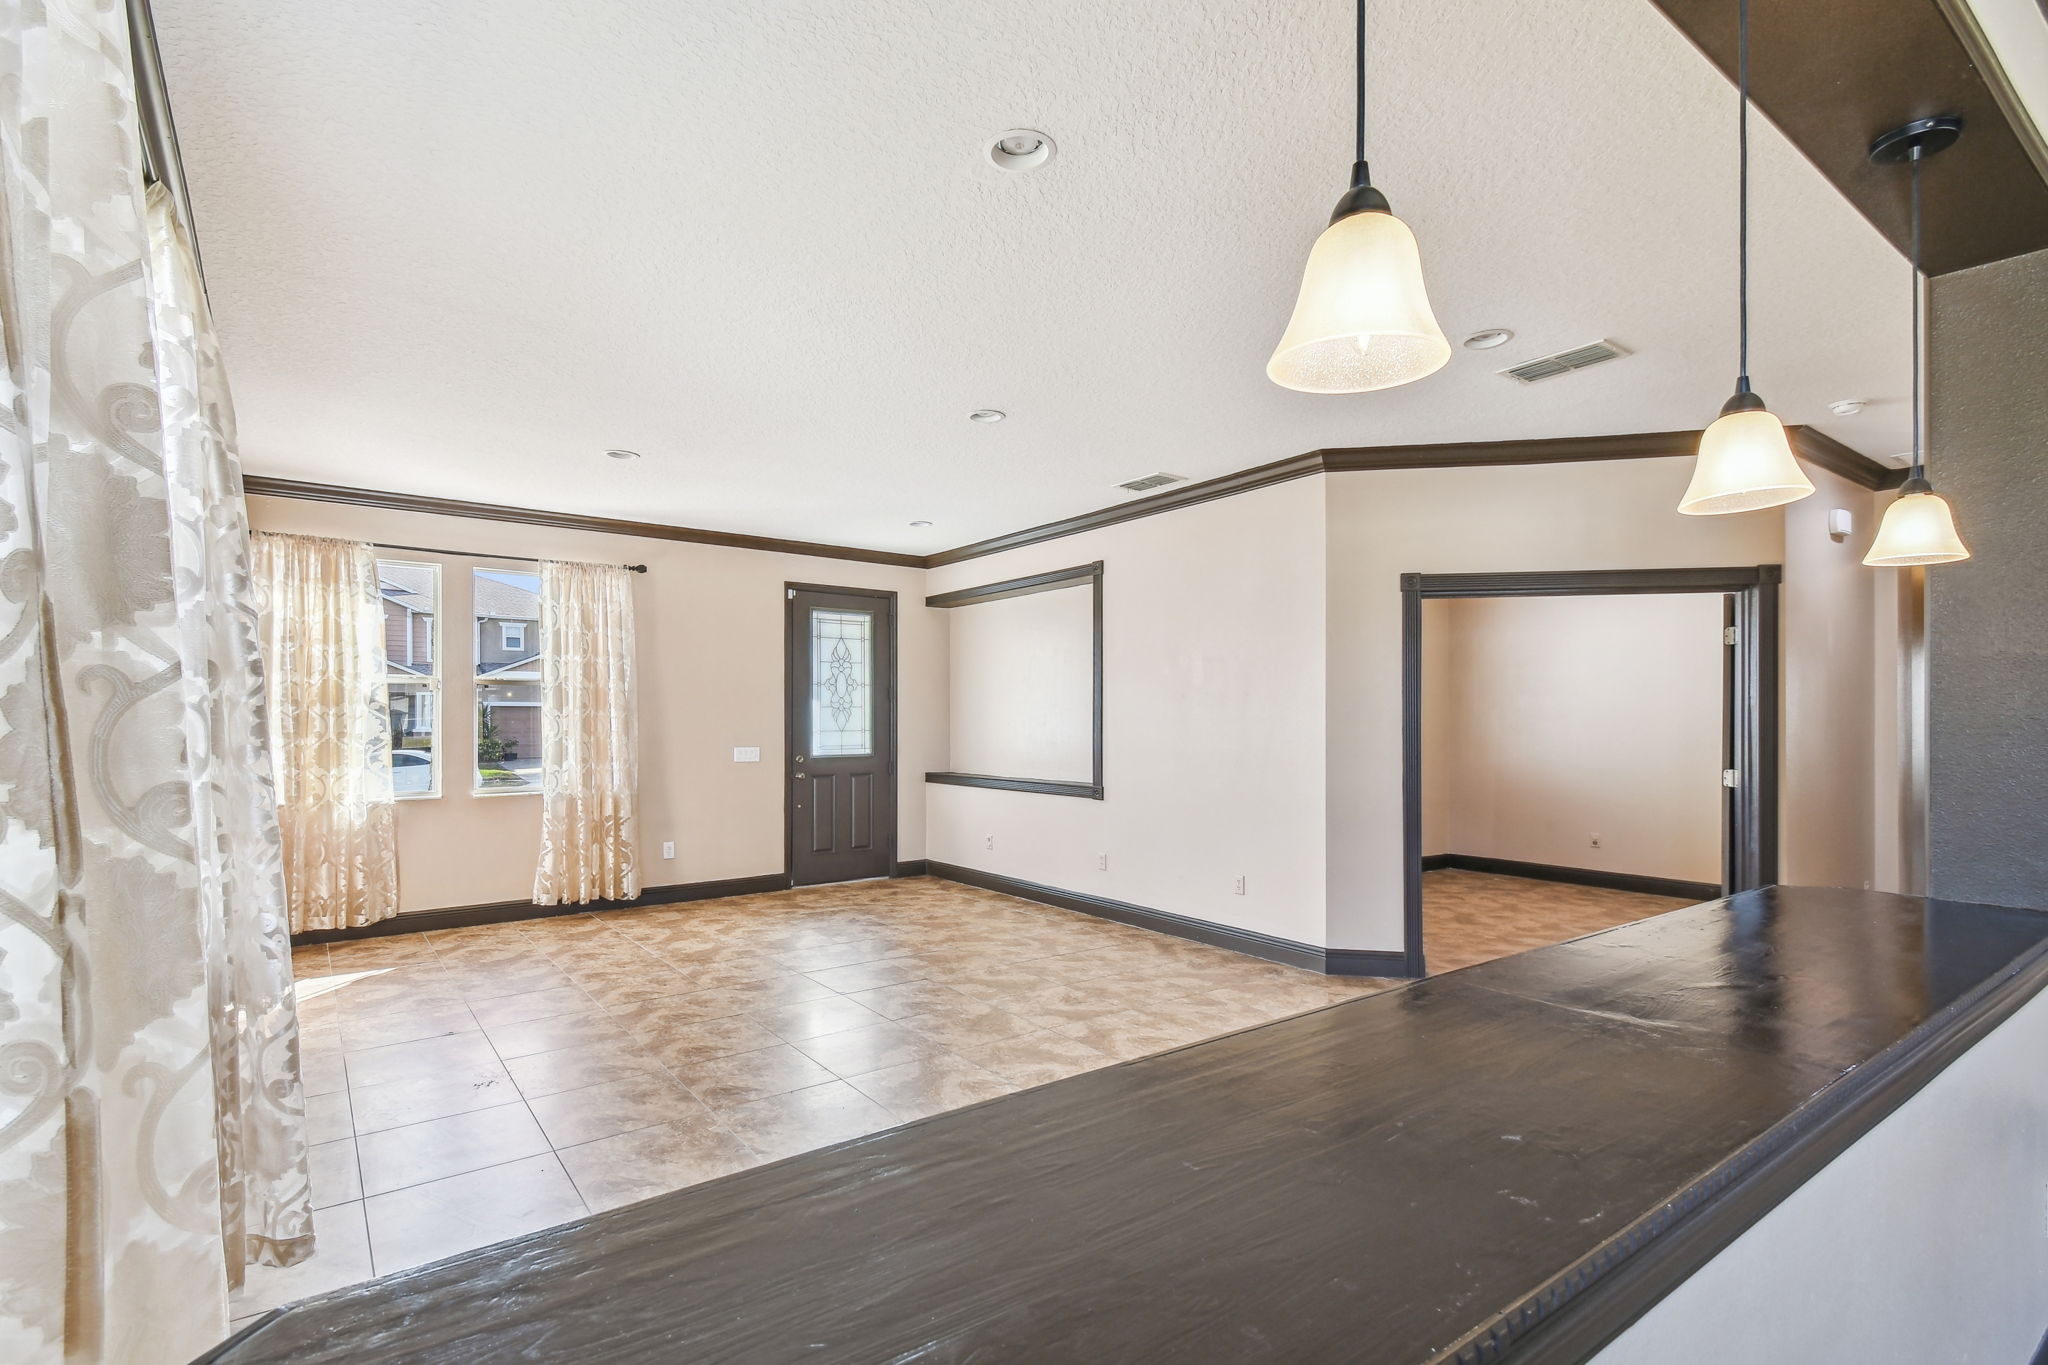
[412, 673]
[507, 605]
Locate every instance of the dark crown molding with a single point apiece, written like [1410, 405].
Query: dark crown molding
[1813, 446]
[571, 521]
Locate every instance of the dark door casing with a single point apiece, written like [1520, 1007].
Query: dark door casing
[841, 733]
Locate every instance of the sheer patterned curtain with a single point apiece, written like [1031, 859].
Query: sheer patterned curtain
[135, 844]
[323, 652]
[266, 1203]
[588, 736]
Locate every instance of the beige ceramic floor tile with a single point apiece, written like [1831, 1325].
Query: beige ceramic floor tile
[854, 1052]
[328, 1118]
[467, 1054]
[420, 1152]
[332, 1168]
[520, 1007]
[547, 1073]
[724, 1082]
[646, 1162]
[422, 1098]
[817, 1116]
[931, 1085]
[1036, 1058]
[815, 1018]
[554, 1034]
[441, 1218]
[601, 1111]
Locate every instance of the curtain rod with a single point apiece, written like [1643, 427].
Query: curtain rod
[474, 554]
[160, 159]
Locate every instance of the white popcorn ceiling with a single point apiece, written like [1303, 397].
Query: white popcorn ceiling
[460, 249]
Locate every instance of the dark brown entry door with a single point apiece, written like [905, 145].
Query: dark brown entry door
[842, 734]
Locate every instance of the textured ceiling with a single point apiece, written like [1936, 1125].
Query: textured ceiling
[460, 249]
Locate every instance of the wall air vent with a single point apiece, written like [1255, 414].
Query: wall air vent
[1152, 481]
[1564, 362]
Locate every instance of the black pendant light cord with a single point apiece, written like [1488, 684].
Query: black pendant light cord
[1360, 140]
[1919, 456]
[1742, 198]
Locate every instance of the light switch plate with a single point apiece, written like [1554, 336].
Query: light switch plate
[749, 755]
[668, 850]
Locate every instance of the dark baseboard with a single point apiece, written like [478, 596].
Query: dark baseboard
[917, 867]
[1577, 876]
[1330, 961]
[504, 912]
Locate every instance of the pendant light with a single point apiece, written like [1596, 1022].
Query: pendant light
[1919, 527]
[1362, 320]
[1745, 461]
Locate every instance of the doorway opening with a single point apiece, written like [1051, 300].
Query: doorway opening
[839, 733]
[1569, 764]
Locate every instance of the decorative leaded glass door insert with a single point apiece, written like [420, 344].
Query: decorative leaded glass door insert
[842, 804]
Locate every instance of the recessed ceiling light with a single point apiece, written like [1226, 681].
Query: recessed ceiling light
[1020, 149]
[987, 415]
[1488, 339]
[920, 523]
[623, 454]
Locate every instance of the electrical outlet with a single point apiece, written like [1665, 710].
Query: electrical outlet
[1102, 862]
[668, 848]
[1593, 842]
[988, 841]
[1239, 888]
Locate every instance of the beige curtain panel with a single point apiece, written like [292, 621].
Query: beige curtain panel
[330, 731]
[589, 736]
[151, 1119]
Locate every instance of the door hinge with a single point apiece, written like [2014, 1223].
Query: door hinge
[1731, 778]
[791, 592]
[1729, 635]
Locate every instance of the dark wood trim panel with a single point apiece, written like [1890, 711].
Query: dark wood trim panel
[1750, 845]
[505, 912]
[1574, 876]
[1038, 785]
[1816, 446]
[1833, 74]
[1309, 957]
[258, 486]
[916, 867]
[1074, 577]
[1820, 449]
[1018, 587]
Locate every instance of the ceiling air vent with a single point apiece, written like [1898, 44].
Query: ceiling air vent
[1152, 481]
[1564, 362]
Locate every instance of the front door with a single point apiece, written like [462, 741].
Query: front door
[842, 734]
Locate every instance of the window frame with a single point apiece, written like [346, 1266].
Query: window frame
[432, 679]
[477, 681]
[505, 630]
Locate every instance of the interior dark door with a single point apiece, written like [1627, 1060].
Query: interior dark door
[842, 734]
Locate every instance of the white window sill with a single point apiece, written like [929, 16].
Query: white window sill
[496, 792]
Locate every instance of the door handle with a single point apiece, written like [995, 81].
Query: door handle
[799, 776]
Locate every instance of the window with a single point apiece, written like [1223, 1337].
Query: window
[507, 606]
[412, 673]
[842, 683]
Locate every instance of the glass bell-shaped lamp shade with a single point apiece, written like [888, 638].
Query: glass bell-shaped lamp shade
[1362, 320]
[1918, 528]
[1745, 463]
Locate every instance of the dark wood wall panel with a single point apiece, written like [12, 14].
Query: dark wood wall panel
[1833, 74]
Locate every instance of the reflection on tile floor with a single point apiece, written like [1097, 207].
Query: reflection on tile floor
[470, 1085]
[1471, 917]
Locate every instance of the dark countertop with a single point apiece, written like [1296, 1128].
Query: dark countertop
[1510, 1161]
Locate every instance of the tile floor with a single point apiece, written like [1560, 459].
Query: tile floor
[471, 1085]
[1471, 917]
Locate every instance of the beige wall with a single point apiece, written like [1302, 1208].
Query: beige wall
[1610, 515]
[710, 675]
[1556, 720]
[1213, 732]
[1023, 686]
[1840, 662]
